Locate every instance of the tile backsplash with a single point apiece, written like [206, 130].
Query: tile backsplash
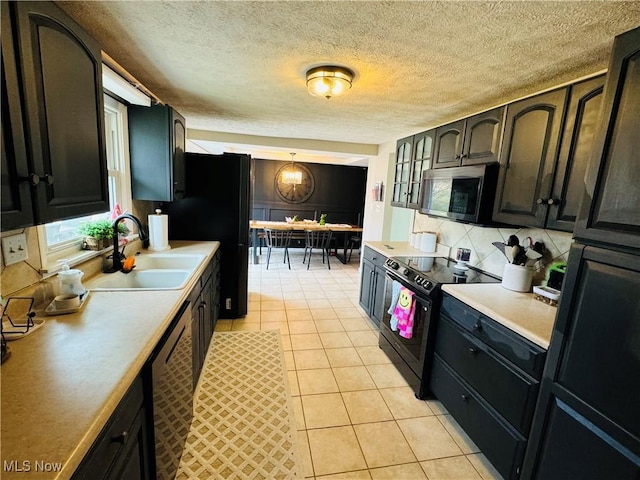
[479, 240]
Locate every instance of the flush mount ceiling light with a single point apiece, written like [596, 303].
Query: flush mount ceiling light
[329, 81]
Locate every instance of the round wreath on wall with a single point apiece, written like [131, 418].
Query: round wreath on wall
[294, 183]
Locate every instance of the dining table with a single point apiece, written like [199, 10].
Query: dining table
[343, 228]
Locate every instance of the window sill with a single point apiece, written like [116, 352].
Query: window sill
[54, 264]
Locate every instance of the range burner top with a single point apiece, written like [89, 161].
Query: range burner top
[428, 273]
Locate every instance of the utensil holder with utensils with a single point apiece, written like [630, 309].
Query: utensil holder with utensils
[517, 277]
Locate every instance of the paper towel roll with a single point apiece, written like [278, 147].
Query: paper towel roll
[158, 233]
[428, 242]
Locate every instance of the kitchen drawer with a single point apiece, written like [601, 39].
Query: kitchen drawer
[374, 257]
[510, 392]
[501, 443]
[518, 350]
[115, 437]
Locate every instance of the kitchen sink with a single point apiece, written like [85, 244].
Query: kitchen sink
[159, 279]
[175, 261]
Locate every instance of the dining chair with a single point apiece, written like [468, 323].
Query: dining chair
[278, 238]
[317, 239]
[354, 242]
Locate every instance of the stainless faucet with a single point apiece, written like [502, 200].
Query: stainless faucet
[117, 258]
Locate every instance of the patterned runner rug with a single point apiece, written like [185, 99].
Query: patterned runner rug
[243, 425]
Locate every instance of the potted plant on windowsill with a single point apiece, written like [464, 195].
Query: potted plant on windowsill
[97, 234]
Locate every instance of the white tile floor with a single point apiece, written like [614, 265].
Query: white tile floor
[356, 416]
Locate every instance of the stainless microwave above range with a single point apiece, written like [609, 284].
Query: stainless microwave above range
[464, 194]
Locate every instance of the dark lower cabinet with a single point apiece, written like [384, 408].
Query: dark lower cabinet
[121, 451]
[488, 378]
[498, 441]
[372, 284]
[205, 308]
[575, 448]
[589, 401]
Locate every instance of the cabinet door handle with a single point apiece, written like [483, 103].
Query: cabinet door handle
[540, 201]
[553, 201]
[465, 398]
[35, 179]
[473, 351]
[122, 438]
[477, 327]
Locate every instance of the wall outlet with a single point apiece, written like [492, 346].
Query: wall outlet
[14, 249]
[228, 304]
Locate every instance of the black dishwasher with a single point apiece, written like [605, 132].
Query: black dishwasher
[172, 381]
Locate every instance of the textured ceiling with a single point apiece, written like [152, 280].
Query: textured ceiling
[238, 67]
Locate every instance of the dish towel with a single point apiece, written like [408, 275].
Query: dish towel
[395, 293]
[404, 313]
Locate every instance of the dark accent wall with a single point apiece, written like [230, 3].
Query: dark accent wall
[339, 192]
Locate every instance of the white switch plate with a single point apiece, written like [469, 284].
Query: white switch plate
[14, 249]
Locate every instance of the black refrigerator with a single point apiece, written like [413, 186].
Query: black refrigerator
[587, 419]
[216, 207]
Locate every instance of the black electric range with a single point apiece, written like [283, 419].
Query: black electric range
[427, 274]
[424, 276]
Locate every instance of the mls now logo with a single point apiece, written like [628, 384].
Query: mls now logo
[28, 466]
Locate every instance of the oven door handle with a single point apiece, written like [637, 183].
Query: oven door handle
[424, 299]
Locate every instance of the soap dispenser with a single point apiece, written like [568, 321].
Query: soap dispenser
[70, 280]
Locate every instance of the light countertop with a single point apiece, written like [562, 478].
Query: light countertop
[520, 312]
[403, 249]
[63, 382]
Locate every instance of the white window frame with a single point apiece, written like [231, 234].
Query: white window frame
[119, 180]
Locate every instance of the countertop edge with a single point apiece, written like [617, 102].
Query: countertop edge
[541, 340]
[396, 249]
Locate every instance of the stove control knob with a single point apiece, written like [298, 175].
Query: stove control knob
[395, 265]
[427, 284]
[406, 272]
[419, 279]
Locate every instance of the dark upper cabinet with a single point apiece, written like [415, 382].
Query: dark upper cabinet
[610, 211]
[422, 157]
[17, 210]
[58, 94]
[482, 137]
[529, 149]
[583, 115]
[448, 149]
[404, 153]
[590, 391]
[413, 155]
[471, 141]
[157, 141]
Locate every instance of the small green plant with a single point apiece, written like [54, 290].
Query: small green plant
[100, 229]
[323, 219]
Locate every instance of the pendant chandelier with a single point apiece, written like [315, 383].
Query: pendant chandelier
[291, 175]
[328, 81]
